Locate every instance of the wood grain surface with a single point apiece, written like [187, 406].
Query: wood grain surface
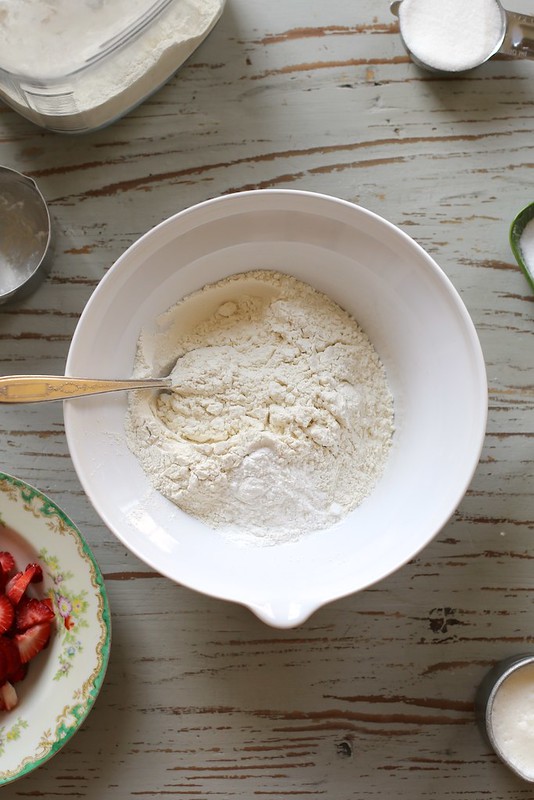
[373, 696]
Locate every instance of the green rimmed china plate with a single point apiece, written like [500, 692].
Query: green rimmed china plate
[63, 681]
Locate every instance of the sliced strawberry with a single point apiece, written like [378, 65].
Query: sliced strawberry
[3, 667]
[37, 576]
[8, 696]
[48, 602]
[9, 658]
[7, 613]
[32, 641]
[18, 584]
[31, 611]
[19, 674]
[7, 562]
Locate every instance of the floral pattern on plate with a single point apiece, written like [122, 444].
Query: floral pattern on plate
[61, 686]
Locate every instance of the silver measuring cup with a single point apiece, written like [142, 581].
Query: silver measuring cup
[512, 35]
[25, 234]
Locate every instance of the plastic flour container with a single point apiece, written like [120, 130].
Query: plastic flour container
[76, 66]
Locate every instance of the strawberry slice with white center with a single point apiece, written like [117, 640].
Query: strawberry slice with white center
[25, 625]
[7, 562]
[31, 611]
[31, 641]
[18, 584]
[8, 696]
[7, 613]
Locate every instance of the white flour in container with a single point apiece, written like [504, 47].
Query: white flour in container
[451, 35]
[281, 418]
[86, 62]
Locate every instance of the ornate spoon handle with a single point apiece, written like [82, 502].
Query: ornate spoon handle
[43, 388]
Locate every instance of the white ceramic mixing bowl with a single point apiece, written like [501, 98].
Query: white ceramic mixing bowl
[415, 319]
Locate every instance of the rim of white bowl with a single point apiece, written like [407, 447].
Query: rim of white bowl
[271, 614]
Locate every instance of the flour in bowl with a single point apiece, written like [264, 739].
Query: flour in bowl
[280, 420]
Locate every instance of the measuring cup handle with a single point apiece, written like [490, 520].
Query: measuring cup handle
[519, 37]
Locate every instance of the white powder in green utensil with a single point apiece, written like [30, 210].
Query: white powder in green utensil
[526, 244]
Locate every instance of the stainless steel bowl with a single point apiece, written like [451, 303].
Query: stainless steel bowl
[25, 232]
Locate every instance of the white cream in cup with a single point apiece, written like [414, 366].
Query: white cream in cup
[505, 710]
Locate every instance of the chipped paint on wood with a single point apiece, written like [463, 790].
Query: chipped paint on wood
[373, 696]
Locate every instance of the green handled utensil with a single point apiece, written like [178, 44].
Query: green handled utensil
[516, 230]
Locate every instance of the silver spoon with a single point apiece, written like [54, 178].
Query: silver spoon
[43, 388]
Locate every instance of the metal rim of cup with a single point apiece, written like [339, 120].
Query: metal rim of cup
[485, 698]
[395, 7]
[23, 286]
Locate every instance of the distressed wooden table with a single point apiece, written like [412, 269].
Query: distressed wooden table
[373, 696]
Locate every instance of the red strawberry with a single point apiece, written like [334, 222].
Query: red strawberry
[19, 674]
[37, 576]
[7, 562]
[25, 625]
[32, 641]
[31, 612]
[7, 613]
[3, 667]
[9, 658]
[8, 696]
[18, 584]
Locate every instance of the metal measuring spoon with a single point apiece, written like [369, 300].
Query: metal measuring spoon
[25, 232]
[43, 388]
[514, 36]
[516, 231]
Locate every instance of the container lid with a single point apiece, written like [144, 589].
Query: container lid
[44, 40]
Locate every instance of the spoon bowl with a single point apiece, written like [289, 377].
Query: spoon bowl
[517, 228]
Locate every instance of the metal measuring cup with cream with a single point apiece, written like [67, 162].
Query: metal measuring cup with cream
[452, 36]
[505, 712]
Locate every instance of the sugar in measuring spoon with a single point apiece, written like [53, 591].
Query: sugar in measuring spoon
[453, 36]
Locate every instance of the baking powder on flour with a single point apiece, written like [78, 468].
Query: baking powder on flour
[280, 420]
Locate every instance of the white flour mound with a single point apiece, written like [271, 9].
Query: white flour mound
[280, 420]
